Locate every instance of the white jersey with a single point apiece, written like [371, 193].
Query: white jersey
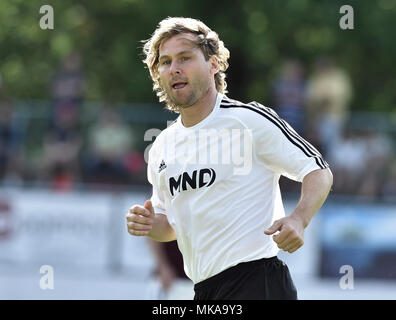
[217, 183]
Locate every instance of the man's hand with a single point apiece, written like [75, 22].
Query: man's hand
[140, 219]
[315, 189]
[291, 233]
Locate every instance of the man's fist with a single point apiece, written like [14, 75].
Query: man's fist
[140, 219]
[291, 233]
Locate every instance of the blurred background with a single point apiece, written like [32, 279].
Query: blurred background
[76, 104]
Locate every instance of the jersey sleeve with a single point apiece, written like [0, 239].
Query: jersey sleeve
[281, 148]
[157, 198]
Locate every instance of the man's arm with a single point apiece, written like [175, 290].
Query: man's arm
[142, 221]
[315, 188]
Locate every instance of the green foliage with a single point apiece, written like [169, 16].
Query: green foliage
[261, 35]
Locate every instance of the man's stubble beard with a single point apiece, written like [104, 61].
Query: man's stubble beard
[192, 99]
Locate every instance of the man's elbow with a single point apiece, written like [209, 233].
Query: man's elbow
[321, 178]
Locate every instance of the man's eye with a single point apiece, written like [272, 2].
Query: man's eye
[185, 58]
[165, 62]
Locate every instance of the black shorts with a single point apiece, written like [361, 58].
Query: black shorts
[264, 279]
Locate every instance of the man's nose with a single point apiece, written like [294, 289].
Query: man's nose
[175, 68]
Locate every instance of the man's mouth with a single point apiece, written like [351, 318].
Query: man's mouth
[179, 85]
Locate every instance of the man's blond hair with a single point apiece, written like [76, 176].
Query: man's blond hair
[206, 39]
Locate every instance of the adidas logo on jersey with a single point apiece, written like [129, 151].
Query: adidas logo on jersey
[162, 166]
[199, 178]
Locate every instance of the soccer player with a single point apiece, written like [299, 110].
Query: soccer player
[224, 209]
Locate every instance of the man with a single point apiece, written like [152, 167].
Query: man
[229, 224]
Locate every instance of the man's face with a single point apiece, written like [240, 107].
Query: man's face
[184, 73]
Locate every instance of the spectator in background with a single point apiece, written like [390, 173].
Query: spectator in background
[379, 156]
[68, 84]
[388, 189]
[63, 141]
[6, 132]
[349, 160]
[289, 95]
[10, 146]
[61, 150]
[110, 143]
[329, 93]
[174, 284]
[360, 162]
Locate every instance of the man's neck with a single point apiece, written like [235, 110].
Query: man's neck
[196, 113]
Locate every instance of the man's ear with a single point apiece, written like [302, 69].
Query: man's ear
[214, 64]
